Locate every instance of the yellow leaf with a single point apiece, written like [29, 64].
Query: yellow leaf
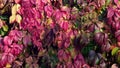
[14, 9]
[49, 21]
[12, 18]
[8, 65]
[18, 7]
[18, 18]
[41, 53]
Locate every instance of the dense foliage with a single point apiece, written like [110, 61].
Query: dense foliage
[59, 33]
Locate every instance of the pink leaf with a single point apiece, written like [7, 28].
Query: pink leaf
[16, 49]
[110, 12]
[6, 49]
[116, 2]
[49, 10]
[7, 40]
[7, 58]
[64, 25]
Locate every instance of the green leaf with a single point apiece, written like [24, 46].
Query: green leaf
[5, 28]
[97, 31]
[27, 66]
[54, 60]
[118, 58]
[97, 60]
[107, 2]
[2, 33]
[87, 48]
[114, 51]
[53, 57]
[4, 18]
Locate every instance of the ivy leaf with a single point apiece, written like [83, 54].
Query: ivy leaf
[87, 48]
[118, 57]
[12, 18]
[110, 12]
[18, 18]
[27, 66]
[27, 40]
[5, 28]
[114, 51]
[107, 2]
[8, 66]
[17, 1]
[116, 1]
[54, 60]
[2, 33]
[14, 9]
[5, 18]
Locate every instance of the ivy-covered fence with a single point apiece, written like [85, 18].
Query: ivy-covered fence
[59, 33]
